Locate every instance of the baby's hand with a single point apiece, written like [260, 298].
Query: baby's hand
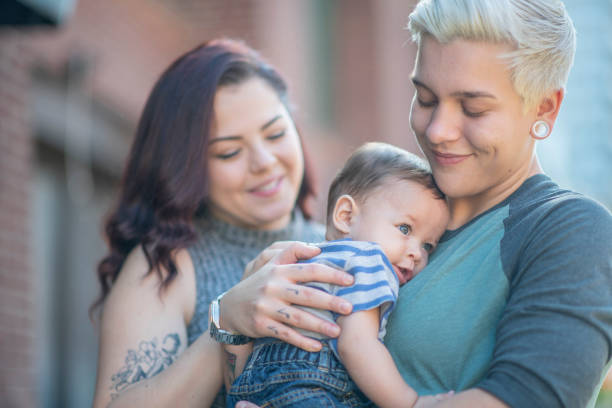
[431, 400]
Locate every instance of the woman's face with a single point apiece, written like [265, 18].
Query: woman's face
[469, 121]
[255, 157]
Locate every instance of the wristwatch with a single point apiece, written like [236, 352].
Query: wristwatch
[219, 334]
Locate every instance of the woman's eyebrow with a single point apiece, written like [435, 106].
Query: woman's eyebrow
[226, 138]
[270, 122]
[473, 94]
[459, 94]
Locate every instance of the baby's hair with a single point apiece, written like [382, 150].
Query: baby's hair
[370, 166]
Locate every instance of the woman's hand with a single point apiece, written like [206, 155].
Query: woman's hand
[261, 305]
[245, 404]
[428, 400]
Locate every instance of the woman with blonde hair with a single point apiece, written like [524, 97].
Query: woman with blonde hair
[515, 306]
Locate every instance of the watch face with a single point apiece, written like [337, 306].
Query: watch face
[217, 333]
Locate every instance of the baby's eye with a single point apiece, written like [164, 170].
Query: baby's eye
[428, 247]
[405, 229]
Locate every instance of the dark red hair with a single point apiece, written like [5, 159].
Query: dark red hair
[165, 181]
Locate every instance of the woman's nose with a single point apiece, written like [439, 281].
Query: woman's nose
[443, 125]
[261, 158]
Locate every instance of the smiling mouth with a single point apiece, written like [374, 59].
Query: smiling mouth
[449, 158]
[268, 188]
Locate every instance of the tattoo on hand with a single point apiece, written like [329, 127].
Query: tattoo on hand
[230, 360]
[150, 359]
[273, 329]
[297, 292]
[284, 313]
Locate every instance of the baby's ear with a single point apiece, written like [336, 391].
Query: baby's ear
[345, 212]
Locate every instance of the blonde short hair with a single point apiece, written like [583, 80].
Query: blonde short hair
[540, 30]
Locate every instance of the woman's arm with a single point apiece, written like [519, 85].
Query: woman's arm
[262, 304]
[143, 355]
[235, 360]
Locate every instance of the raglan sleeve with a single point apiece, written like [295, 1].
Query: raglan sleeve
[553, 340]
[375, 282]
[375, 285]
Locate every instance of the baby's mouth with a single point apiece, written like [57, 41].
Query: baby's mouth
[404, 274]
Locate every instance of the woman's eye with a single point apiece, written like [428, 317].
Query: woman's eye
[428, 247]
[426, 104]
[405, 229]
[277, 135]
[473, 113]
[228, 155]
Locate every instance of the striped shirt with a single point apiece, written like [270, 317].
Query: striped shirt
[376, 284]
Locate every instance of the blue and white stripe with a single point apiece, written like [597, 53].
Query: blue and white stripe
[376, 284]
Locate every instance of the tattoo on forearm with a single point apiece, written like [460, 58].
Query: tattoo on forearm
[284, 313]
[150, 359]
[230, 360]
[273, 329]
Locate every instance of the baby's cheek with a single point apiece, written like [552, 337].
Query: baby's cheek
[424, 260]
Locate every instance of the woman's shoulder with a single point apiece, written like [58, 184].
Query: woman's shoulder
[542, 199]
[556, 227]
[138, 279]
[307, 230]
[314, 231]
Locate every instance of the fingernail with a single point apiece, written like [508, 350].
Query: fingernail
[333, 331]
[345, 307]
[348, 279]
[314, 347]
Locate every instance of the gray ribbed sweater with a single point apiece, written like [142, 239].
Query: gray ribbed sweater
[223, 250]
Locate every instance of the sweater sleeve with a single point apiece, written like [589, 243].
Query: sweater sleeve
[553, 340]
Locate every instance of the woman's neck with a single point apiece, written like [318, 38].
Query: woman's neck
[465, 209]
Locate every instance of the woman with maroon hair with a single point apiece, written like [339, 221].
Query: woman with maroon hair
[216, 174]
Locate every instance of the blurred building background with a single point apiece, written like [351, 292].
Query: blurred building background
[74, 76]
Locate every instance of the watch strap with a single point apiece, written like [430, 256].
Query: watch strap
[220, 335]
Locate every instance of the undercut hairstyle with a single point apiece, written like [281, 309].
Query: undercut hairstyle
[540, 31]
[372, 165]
[165, 181]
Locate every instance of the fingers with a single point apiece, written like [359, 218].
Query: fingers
[263, 258]
[272, 328]
[283, 252]
[315, 272]
[314, 298]
[295, 317]
[296, 251]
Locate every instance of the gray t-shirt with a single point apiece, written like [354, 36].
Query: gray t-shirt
[517, 302]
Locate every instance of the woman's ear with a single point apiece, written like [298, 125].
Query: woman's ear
[548, 109]
[344, 214]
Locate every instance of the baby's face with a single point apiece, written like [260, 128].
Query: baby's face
[406, 220]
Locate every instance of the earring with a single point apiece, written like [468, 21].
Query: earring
[540, 130]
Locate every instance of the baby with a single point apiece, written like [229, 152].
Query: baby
[384, 218]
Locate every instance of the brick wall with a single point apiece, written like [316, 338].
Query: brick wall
[17, 385]
[125, 46]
